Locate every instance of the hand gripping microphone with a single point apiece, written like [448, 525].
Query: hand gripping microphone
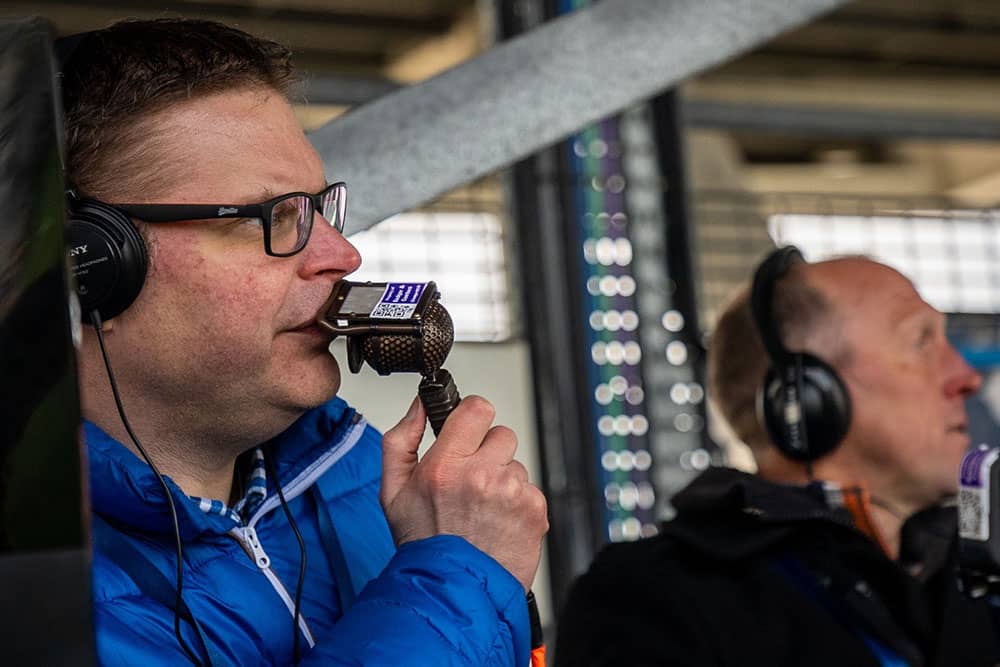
[403, 328]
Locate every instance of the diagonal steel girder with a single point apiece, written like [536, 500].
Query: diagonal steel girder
[409, 146]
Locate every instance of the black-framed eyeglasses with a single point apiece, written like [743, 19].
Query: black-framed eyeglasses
[286, 220]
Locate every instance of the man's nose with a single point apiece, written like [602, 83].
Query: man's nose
[962, 379]
[328, 252]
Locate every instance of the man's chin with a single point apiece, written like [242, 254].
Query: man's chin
[316, 384]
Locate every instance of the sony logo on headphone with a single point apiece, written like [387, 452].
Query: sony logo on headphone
[78, 250]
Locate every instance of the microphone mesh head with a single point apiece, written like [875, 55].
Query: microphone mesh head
[424, 354]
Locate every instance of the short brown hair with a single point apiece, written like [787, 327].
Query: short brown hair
[118, 77]
[737, 360]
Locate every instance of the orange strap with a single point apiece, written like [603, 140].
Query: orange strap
[858, 502]
[538, 656]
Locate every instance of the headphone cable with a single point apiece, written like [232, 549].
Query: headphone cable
[95, 319]
[272, 473]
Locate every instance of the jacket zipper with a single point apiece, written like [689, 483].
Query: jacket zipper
[247, 537]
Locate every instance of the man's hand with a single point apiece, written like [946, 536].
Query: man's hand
[468, 484]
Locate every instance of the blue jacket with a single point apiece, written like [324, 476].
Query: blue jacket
[438, 601]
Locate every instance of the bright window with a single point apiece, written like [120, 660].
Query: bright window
[461, 251]
[953, 257]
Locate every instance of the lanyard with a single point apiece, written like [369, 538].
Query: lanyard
[336, 558]
[803, 579]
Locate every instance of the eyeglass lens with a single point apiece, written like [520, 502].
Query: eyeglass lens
[333, 206]
[292, 218]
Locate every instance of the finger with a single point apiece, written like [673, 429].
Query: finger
[518, 471]
[464, 430]
[515, 475]
[498, 446]
[399, 450]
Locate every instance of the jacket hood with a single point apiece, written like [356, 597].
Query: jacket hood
[729, 515]
[124, 489]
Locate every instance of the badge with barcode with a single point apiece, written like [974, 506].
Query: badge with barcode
[398, 301]
[974, 494]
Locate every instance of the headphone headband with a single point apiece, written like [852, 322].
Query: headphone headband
[765, 281]
[66, 47]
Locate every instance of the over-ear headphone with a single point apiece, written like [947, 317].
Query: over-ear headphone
[107, 256]
[803, 403]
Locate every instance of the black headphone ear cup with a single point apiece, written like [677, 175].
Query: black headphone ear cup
[825, 410]
[107, 256]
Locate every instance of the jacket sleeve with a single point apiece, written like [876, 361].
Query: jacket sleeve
[439, 601]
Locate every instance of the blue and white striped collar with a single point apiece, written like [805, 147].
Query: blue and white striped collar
[124, 488]
[245, 507]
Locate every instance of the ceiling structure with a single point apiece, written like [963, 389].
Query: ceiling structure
[366, 39]
[889, 96]
[923, 68]
[376, 37]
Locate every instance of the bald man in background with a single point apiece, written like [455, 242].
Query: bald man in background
[847, 560]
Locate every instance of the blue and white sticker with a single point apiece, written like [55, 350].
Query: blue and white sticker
[974, 494]
[399, 301]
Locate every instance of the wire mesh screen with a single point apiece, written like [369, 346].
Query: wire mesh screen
[951, 254]
[458, 242]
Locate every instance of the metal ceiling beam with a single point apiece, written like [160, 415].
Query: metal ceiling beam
[840, 121]
[524, 94]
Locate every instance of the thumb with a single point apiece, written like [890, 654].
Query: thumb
[399, 450]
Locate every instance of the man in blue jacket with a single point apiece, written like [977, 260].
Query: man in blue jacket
[305, 536]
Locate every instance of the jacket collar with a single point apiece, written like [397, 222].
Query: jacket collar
[725, 489]
[730, 515]
[124, 489]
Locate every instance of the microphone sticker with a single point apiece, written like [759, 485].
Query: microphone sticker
[398, 301]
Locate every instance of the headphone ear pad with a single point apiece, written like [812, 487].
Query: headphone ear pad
[825, 410]
[108, 258]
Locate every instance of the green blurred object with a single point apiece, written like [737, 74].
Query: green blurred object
[44, 548]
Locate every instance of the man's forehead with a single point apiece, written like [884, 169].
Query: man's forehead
[862, 284]
[241, 145]
[850, 272]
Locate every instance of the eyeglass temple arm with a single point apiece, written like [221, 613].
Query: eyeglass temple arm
[178, 212]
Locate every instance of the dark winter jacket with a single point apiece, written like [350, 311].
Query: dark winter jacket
[753, 573]
[434, 602]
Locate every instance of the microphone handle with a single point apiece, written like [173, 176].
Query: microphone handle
[440, 396]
